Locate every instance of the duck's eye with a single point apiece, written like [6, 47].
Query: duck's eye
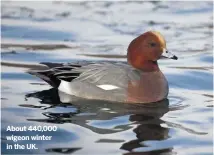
[152, 44]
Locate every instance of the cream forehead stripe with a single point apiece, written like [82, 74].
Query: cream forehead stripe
[160, 37]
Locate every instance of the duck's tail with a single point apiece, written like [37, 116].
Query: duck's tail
[55, 73]
[47, 76]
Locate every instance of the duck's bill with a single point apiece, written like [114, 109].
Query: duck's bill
[169, 55]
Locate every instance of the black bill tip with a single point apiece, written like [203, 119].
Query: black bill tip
[174, 57]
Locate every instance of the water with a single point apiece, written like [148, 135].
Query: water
[34, 32]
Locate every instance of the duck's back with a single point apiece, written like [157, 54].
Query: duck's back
[102, 81]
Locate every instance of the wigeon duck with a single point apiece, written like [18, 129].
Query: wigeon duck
[139, 81]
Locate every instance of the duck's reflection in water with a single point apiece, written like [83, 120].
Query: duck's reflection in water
[146, 117]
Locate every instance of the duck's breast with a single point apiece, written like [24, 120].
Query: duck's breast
[151, 87]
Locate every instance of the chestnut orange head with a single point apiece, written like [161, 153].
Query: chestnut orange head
[146, 49]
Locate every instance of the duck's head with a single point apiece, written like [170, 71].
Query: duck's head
[146, 49]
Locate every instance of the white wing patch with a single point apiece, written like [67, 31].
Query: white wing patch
[107, 87]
